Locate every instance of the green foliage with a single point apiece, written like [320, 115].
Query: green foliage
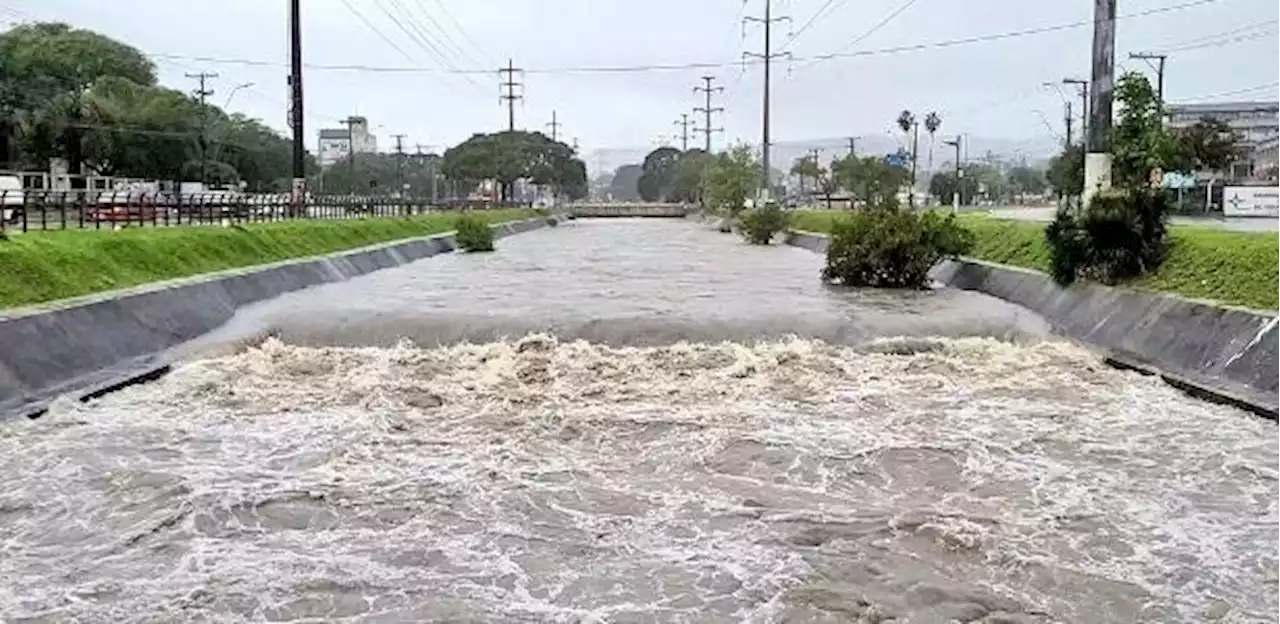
[473, 233]
[891, 247]
[385, 171]
[944, 184]
[869, 179]
[1026, 180]
[730, 179]
[625, 183]
[659, 171]
[1139, 142]
[760, 225]
[1119, 236]
[686, 186]
[1207, 145]
[1066, 172]
[47, 266]
[1237, 268]
[510, 156]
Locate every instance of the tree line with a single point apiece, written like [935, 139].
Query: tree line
[94, 102]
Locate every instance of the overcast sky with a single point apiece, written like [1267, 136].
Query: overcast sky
[991, 88]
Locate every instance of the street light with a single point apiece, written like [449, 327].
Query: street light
[233, 93]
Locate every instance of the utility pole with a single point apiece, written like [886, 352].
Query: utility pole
[1097, 159]
[431, 170]
[684, 131]
[767, 56]
[853, 146]
[555, 126]
[350, 123]
[1084, 102]
[295, 111]
[955, 195]
[707, 110]
[1159, 67]
[509, 84]
[203, 93]
[399, 163]
[1067, 117]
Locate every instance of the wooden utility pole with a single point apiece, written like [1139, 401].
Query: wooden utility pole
[707, 110]
[853, 146]
[202, 93]
[509, 95]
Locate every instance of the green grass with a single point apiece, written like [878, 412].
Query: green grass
[1235, 268]
[39, 267]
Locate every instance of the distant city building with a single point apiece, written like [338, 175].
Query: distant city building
[1257, 122]
[335, 143]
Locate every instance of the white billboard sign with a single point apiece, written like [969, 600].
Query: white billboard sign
[1251, 201]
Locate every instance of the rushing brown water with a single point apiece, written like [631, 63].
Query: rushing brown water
[555, 480]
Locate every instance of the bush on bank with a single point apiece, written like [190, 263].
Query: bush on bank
[1121, 235]
[473, 233]
[1235, 268]
[888, 247]
[760, 225]
[39, 267]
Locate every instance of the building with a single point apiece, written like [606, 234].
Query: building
[1257, 122]
[335, 143]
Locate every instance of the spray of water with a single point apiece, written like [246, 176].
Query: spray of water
[535, 480]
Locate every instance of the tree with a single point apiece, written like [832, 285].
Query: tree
[1025, 180]
[45, 64]
[807, 167]
[686, 185]
[932, 122]
[1208, 145]
[1066, 171]
[870, 179]
[1139, 142]
[510, 156]
[828, 183]
[730, 179]
[943, 185]
[625, 183]
[659, 172]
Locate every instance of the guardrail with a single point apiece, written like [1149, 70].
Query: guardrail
[66, 210]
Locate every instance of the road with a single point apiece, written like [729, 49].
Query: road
[1235, 224]
[306, 462]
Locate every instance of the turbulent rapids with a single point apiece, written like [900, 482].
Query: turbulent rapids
[920, 480]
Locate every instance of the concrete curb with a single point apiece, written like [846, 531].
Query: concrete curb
[90, 346]
[1218, 353]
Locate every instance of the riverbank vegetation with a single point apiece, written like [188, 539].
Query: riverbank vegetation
[1234, 268]
[473, 233]
[888, 247]
[47, 266]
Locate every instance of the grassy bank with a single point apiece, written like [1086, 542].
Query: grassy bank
[1236, 268]
[47, 266]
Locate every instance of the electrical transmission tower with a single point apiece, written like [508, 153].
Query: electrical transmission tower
[555, 127]
[707, 110]
[683, 122]
[203, 93]
[767, 56]
[509, 84]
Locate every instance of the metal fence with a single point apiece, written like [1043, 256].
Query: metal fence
[68, 210]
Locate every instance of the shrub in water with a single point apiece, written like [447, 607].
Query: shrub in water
[887, 247]
[1121, 235]
[473, 233]
[760, 225]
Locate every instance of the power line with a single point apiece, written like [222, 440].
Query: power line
[898, 49]
[870, 31]
[1212, 38]
[444, 33]
[796, 35]
[1212, 96]
[377, 31]
[1220, 43]
[449, 16]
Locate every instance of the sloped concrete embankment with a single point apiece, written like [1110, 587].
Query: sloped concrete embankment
[89, 347]
[1219, 353]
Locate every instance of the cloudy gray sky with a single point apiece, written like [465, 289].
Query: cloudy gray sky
[407, 48]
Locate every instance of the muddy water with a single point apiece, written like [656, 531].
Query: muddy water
[531, 480]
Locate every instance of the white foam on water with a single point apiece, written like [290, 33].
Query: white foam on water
[534, 480]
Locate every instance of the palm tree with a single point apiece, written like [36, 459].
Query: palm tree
[907, 122]
[931, 124]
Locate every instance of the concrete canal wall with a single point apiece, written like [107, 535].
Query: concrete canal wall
[87, 347]
[1221, 353]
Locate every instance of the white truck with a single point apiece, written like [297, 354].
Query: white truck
[11, 199]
